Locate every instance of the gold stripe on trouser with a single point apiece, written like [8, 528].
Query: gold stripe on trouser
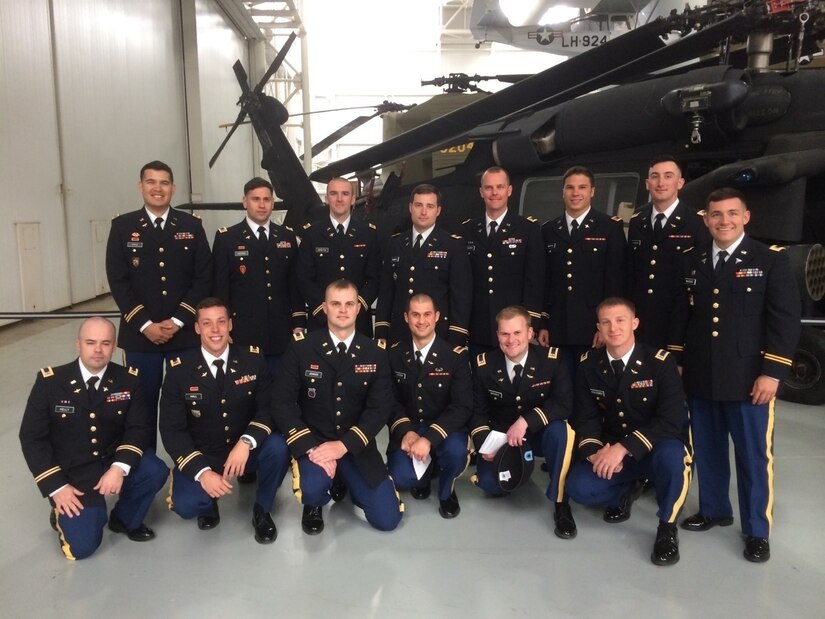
[686, 476]
[296, 480]
[466, 464]
[397, 494]
[169, 503]
[565, 465]
[64, 545]
[769, 450]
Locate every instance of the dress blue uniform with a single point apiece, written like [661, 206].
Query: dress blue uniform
[436, 401]
[731, 328]
[321, 396]
[201, 421]
[544, 398]
[68, 438]
[645, 411]
[326, 256]
[440, 269]
[507, 269]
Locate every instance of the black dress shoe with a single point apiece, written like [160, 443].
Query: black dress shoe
[666, 547]
[338, 491]
[757, 549]
[141, 533]
[248, 478]
[53, 519]
[312, 522]
[698, 522]
[621, 512]
[565, 525]
[449, 507]
[420, 493]
[210, 520]
[265, 531]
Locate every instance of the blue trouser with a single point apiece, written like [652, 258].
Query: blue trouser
[668, 465]
[555, 442]
[270, 460]
[81, 535]
[381, 504]
[450, 456]
[751, 428]
[150, 373]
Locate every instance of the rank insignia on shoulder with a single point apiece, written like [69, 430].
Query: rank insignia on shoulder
[661, 355]
[394, 345]
[373, 226]
[255, 349]
[298, 336]
[616, 218]
[288, 228]
[222, 230]
[635, 215]
[466, 221]
[458, 237]
[175, 362]
[382, 344]
[532, 219]
[687, 250]
[553, 352]
[307, 226]
[481, 360]
[47, 372]
[133, 371]
[701, 213]
[777, 248]
[584, 356]
[396, 234]
[459, 349]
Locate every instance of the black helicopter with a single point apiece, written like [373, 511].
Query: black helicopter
[712, 97]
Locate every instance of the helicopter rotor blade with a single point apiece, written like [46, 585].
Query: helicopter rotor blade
[235, 125]
[339, 133]
[276, 64]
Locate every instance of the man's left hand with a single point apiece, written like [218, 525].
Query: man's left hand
[764, 389]
[236, 460]
[331, 450]
[608, 460]
[516, 432]
[111, 481]
[420, 449]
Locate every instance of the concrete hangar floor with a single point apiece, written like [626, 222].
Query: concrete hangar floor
[499, 558]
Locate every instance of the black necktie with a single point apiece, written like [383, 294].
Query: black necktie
[419, 361]
[517, 376]
[417, 245]
[618, 368]
[159, 224]
[262, 235]
[342, 349]
[340, 229]
[721, 258]
[658, 226]
[574, 227]
[219, 373]
[493, 226]
[91, 387]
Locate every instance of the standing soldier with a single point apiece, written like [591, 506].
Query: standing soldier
[159, 268]
[424, 259]
[255, 274]
[336, 248]
[737, 327]
[506, 258]
[659, 232]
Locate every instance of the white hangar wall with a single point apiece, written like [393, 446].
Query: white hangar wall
[90, 90]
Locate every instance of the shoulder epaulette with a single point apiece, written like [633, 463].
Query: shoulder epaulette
[636, 214]
[47, 372]
[466, 221]
[133, 371]
[584, 356]
[396, 234]
[373, 226]
[222, 230]
[298, 336]
[382, 344]
[456, 236]
[702, 213]
[175, 362]
[687, 250]
[307, 226]
[394, 345]
[616, 218]
[288, 228]
[777, 248]
[532, 219]
[553, 352]
[459, 349]
[662, 354]
[255, 349]
[481, 360]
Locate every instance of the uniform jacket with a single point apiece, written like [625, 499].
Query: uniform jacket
[259, 284]
[201, 421]
[320, 397]
[157, 276]
[325, 257]
[440, 269]
[735, 327]
[580, 273]
[655, 268]
[68, 439]
[440, 394]
[645, 407]
[545, 393]
[508, 269]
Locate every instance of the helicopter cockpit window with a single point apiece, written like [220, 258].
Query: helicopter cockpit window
[541, 197]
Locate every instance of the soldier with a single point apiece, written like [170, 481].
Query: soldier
[215, 423]
[506, 258]
[336, 248]
[159, 267]
[659, 232]
[631, 424]
[586, 255]
[85, 435]
[522, 390]
[424, 259]
[255, 273]
[433, 384]
[738, 326]
[332, 397]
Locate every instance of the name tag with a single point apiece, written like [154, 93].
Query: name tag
[132, 244]
[497, 395]
[64, 409]
[597, 392]
[192, 396]
[322, 250]
[690, 281]
[400, 375]
[313, 374]
[241, 253]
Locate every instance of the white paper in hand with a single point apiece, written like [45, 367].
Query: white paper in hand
[420, 466]
[494, 441]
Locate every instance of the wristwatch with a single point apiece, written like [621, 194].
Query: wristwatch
[248, 441]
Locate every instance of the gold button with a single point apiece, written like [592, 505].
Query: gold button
[716, 319]
[269, 298]
[569, 263]
[338, 399]
[93, 428]
[339, 384]
[161, 250]
[624, 425]
[267, 271]
[569, 276]
[163, 292]
[652, 263]
[650, 291]
[489, 292]
[715, 334]
[655, 247]
[489, 255]
[651, 276]
[266, 258]
[337, 427]
[569, 250]
[226, 415]
[227, 440]
[518, 398]
[412, 280]
[490, 279]
[92, 415]
[163, 279]
[419, 385]
[94, 441]
[269, 285]
[715, 291]
[343, 268]
[412, 268]
[750, 289]
[337, 413]
[570, 288]
[621, 414]
[341, 256]
[95, 453]
[410, 291]
[223, 400]
[618, 400]
[715, 306]
[226, 428]
[161, 264]
[490, 267]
